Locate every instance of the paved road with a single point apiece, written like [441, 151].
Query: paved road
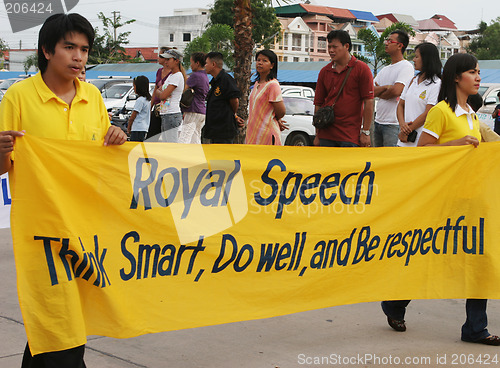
[346, 336]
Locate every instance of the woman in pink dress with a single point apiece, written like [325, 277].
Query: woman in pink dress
[266, 107]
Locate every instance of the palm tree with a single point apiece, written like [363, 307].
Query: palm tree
[243, 48]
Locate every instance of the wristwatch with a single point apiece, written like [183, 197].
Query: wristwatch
[365, 132]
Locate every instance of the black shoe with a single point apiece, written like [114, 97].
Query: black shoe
[398, 325]
[490, 340]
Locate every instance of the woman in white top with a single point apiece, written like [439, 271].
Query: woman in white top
[170, 96]
[420, 95]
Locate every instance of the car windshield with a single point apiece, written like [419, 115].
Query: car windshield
[7, 83]
[99, 83]
[482, 89]
[298, 106]
[116, 91]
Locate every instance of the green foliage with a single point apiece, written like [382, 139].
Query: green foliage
[3, 47]
[218, 37]
[486, 46]
[364, 59]
[265, 23]
[108, 47]
[375, 46]
[30, 61]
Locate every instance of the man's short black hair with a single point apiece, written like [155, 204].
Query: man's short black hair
[217, 57]
[340, 35]
[55, 28]
[403, 38]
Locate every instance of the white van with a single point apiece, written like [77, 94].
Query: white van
[297, 91]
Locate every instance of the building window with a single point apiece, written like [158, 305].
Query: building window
[296, 60]
[296, 42]
[186, 37]
[322, 45]
[285, 58]
[171, 37]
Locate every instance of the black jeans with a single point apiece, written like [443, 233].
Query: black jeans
[70, 358]
[137, 136]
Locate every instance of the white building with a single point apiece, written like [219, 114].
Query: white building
[181, 28]
[18, 58]
[295, 40]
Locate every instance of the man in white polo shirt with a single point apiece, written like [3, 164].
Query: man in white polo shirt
[389, 84]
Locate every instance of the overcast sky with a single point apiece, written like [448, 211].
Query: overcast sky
[147, 13]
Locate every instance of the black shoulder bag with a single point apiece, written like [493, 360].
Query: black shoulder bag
[325, 116]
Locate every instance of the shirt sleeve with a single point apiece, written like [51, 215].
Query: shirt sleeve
[139, 104]
[435, 122]
[366, 85]
[275, 92]
[232, 89]
[10, 117]
[432, 97]
[405, 90]
[193, 81]
[174, 80]
[405, 74]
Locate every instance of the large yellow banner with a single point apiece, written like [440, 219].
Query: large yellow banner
[141, 238]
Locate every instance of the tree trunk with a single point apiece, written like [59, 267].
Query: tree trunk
[243, 48]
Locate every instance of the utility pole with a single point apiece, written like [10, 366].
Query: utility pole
[114, 24]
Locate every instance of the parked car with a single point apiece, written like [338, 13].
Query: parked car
[9, 82]
[489, 93]
[121, 94]
[103, 83]
[299, 116]
[297, 91]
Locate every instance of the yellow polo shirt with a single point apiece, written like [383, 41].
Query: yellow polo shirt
[446, 125]
[31, 106]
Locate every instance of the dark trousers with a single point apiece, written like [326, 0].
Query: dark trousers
[475, 324]
[474, 327]
[497, 126]
[70, 358]
[137, 136]
[154, 125]
[329, 143]
[218, 141]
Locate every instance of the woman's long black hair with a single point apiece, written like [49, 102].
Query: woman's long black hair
[454, 67]
[431, 63]
[273, 73]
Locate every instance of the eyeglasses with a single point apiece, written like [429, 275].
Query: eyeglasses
[388, 40]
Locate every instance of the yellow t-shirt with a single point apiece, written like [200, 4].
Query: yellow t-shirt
[31, 106]
[446, 125]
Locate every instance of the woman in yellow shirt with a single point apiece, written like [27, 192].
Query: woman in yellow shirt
[452, 122]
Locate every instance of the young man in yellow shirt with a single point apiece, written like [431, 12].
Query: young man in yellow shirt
[55, 104]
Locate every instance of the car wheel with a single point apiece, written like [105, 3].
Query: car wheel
[298, 139]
